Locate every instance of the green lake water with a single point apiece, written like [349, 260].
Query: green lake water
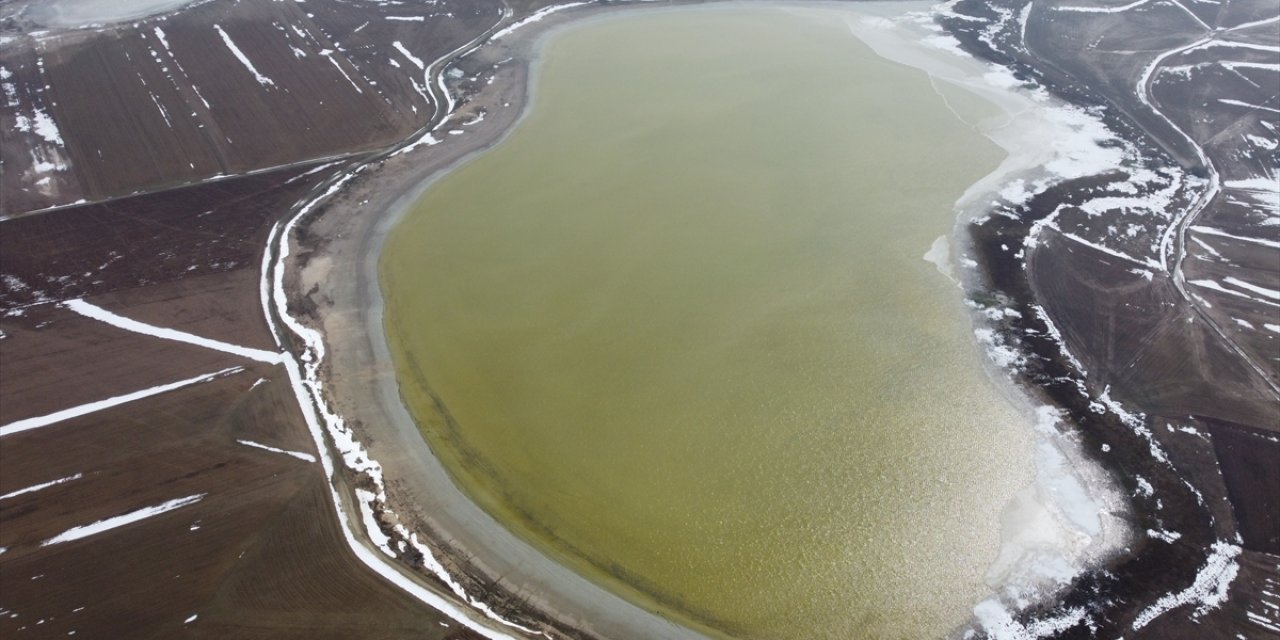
[677, 331]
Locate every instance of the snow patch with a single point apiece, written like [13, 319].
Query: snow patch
[1248, 286]
[98, 313]
[85, 409]
[244, 60]
[296, 454]
[412, 58]
[1208, 591]
[1218, 232]
[534, 17]
[939, 254]
[43, 485]
[101, 526]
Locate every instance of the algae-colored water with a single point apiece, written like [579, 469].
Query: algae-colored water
[677, 331]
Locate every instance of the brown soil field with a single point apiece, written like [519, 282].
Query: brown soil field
[222, 306]
[56, 359]
[146, 239]
[1247, 459]
[182, 108]
[259, 556]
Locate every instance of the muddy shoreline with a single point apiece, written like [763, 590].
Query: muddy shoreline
[492, 565]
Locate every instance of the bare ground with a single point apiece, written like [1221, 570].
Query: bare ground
[259, 556]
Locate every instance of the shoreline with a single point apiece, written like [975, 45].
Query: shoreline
[1048, 524]
[480, 553]
[353, 322]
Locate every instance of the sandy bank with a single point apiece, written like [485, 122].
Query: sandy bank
[489, 563]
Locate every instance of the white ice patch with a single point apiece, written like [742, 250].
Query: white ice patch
[939, 254]
[1213, 284]
[1248, 286]
[296, 454]
[98, 313]
[1056, 334]
[1209, 589]
[85, 409]
[534, 17]
[999, 624]
[1247, 105]
[1050, 531]
[1116, 9]
[1001, 354]
[244, 60]
[1167, 536]
[1047, 141]
[409, 56]
[42, 485]
[1218, 232]
[365, 500]
[1266, 144]
[1049, 528]
[425, 140]
[44, 127]
[101, 526]
[329, 54]
[164, 41]
[946, 43]
[1016, 192]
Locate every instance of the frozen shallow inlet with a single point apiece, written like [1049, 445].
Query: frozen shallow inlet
[76, 13]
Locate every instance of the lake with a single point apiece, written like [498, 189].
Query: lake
[677, 330]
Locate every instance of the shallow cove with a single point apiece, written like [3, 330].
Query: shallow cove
[677, 331]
